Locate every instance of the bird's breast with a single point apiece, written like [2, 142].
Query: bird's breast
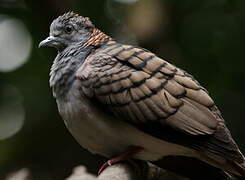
[101, 133]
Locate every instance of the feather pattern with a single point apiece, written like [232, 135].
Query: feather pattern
[135, 84]
[113, 96]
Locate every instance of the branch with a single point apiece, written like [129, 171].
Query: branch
[126, 171]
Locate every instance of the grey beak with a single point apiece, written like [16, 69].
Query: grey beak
[49, 41]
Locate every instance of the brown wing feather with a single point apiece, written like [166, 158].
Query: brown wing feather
[136, 83]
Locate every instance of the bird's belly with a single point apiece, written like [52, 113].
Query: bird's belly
[102, 134]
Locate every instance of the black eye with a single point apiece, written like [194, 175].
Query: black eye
[68, 29]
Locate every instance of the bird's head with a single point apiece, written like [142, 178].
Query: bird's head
[68, 29]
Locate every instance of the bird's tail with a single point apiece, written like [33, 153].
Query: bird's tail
[240, 168]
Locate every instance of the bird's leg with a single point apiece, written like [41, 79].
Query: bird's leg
[132, 151]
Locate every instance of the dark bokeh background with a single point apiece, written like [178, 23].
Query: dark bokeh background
[204, 37]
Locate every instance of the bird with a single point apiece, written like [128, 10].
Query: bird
[124, 102]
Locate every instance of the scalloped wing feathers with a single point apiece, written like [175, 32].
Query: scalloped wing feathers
[138, 87]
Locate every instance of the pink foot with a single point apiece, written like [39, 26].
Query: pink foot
[120, 158]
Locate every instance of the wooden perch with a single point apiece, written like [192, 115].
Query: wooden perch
[126, 171]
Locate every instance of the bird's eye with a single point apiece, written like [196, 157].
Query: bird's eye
[68, 29]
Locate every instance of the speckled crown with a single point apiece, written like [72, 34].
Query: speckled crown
[75, 18]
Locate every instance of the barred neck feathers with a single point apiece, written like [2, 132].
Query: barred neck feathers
[97, 38]
[62, 74]
[67, 62]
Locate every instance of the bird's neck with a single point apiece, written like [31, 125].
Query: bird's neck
[63, 70]
[67, 62]
[97, 38]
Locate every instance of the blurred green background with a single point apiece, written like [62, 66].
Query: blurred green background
[204, 37]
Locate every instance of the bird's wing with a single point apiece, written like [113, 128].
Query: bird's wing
[139, 87]
[136, 86]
